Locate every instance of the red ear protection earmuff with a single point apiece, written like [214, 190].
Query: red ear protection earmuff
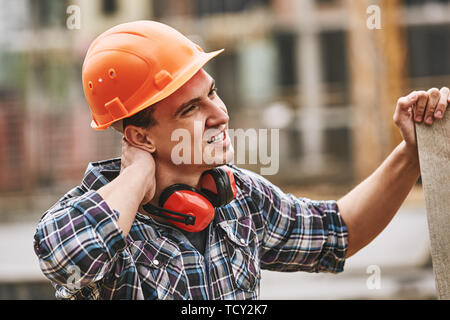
[190, 209]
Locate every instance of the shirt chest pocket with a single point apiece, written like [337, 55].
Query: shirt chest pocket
[160, 268]
[241, 245]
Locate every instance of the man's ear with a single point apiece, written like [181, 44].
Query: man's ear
[139, 138]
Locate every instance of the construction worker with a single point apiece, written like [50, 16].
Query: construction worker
[144, 226]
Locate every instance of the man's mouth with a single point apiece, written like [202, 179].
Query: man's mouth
[217, 138]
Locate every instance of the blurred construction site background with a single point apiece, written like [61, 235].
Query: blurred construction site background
[327, 73]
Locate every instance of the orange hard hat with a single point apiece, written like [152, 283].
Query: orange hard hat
[134, 65]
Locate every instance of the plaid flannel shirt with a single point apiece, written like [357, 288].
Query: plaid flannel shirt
[84, 253]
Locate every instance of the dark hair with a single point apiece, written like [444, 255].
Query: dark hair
[142, 119]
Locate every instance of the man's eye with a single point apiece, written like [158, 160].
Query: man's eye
[213, 91]
[186, 111]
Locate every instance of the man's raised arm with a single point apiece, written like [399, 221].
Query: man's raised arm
[371, 205]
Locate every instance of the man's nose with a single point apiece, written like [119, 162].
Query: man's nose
[218, 115]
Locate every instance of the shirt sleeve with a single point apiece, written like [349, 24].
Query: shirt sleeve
[77, 240]
[299, 234]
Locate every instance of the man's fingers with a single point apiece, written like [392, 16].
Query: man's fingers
[433, 99]
[405, 103]
[421, 104]
[404, 107]
[443, 103]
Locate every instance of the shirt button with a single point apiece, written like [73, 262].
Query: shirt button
[242, 241]
[155, 262]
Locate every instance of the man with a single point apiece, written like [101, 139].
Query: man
[107, 239]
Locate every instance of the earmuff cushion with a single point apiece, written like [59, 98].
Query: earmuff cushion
[221, 193]
[224, 187]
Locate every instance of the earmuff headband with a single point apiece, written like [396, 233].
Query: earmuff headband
[186, 218]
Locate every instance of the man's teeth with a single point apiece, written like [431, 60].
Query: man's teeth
[217, 138]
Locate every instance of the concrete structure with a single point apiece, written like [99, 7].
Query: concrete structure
[434, 154]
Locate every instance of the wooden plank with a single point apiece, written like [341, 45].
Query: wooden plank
[378, 77]
[365, 93]
[434, 155]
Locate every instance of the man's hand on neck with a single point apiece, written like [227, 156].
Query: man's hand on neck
[135, 184]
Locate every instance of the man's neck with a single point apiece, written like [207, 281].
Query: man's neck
[169, 175]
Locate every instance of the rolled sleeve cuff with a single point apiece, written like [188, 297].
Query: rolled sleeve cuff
[103, 220]
[335, 249]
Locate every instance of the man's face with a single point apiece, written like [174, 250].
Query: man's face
[197, 114]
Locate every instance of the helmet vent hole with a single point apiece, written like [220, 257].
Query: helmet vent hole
[112, 73]
[90, 85]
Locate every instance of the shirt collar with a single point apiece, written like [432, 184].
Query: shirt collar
[101, 173]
